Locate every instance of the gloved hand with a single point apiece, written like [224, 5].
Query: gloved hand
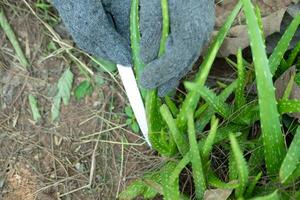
[101, 27]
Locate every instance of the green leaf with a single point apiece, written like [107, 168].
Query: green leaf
[273, 196]
[293, 55]
[105, 65]
[283, 44]
[152, 100]
[64, 88]
[274, 146]
[209, 141]
[83, 89]
[292, 159]
[13, 40]
[211, 98]
[165, 27]
[198, 173]
[34, 108]
[260, 21]
[214, 181]
[129, 121]
[135, 38]
[232, 172]
[155, 123]
[253, 184]
[177, 136]
[135, 127]
[129, 111]
[192, 99]
[289, 87]
[133, 190]
[241, 81]
[289, 106]
[171, 105]
[172, 185]
[142, 187]
[241, 166]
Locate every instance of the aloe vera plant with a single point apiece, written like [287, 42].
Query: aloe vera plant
[179, 133]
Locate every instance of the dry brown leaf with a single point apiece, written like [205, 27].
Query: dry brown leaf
[272, 15]
[238, 35]
[217, 194]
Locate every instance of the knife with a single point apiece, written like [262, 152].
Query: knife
[135, 98]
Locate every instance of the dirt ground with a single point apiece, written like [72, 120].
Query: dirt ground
[90, 153]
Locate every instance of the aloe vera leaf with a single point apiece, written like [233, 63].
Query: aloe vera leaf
[292, 158]
[178, 137]
[209, 141]
[202, 108]
[141, 187]
[13, 40]
[241, 166]
[247, 115]
[294, 177]
[274, 147]
[289, 87]
[155, 123]
[198, 174]
[214, 181]
[171, 105]
[135, 38]
[192, 99]
[260, 21]
[252, 185]
[223, 97]
[283, 44]
[228, 91]
[232, 171]
[171, 179]
[205, 113]
[204, 119]
[273, 196]
[165, 28]
[293, 55]
[211, 98]
[223, 133]
[241, 81]
[285, 64]
[152, 101]
[132, 191]
[289, 106]
[256, 160]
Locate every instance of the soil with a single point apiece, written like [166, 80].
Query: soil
[54, 160]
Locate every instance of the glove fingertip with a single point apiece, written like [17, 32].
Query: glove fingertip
[168, 87]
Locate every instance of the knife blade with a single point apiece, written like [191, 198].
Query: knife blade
[135, 99]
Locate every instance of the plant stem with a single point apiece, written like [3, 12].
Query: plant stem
[13, 39]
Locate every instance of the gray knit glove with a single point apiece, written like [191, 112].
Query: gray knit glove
[101, 27]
